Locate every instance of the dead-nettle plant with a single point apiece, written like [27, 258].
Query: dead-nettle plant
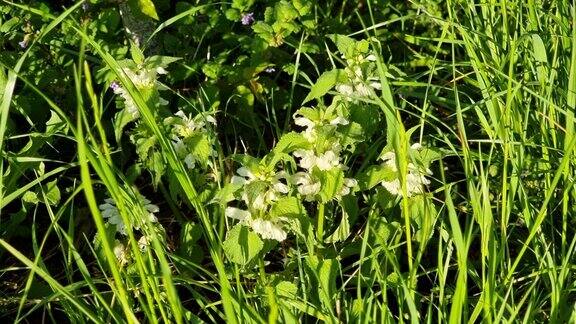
[192, 134]
[269, 198]
[308, 167]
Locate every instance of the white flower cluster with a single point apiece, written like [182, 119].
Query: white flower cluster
[111, 213]
[185, 127]
[323, 157]
[266, 228]
[359, 84]
[122, 252]
[259, 191]
[415, 179]
[142, 78]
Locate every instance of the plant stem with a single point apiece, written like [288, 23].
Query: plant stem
[320, 226]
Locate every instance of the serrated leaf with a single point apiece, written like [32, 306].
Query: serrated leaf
[290, 142]
[242, 245]
[423, 212]
[345, 44]
[285, 12]
[136, 53]
[160, 61]
[287, 289]
[8, 25]
[342, 231]
[226, 193]
[289, 207]
[122, 118]
[324, 83]
[264, 30]
[303, 6]
[189, 236]
[200, 147]
[331, 183]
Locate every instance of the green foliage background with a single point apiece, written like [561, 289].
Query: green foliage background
[488, 88]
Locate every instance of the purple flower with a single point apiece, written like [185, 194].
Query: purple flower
[114, 86]
[248, 19]
[23, 43]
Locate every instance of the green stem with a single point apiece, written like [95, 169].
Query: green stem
[273, 315]
[320, 226]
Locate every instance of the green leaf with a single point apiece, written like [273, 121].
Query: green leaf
[423, 213]
[290, 142]
[323, 278]
[331, 183]
[242, 245]
[285, 12]
[30, 197]
[136, 53]
[52, 193]
[160, 61]
[289, 207]
[342, 231]
[264, 30]
[351, 134]
[189, 236]
[539, 49]
[345, 44]
[373, 175]
[349, 206]
[324, 83]
[55, 124]
[145, 7]
[303, 6]
[8, 25]
[200, 147]
[226, 194]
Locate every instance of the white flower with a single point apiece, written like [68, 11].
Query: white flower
[189, 127]
[122, 253]
[339, 120]
[324, 161]
[143, 243]
[237, 213]
[309, 132]
[185, 128]
[415, 179]
[358, 84]
[268, 229]
[190, 161]
[129, 104]
[307, 185]
[179, 146]
[245, 176]
[358, 88]
[269, 194]
[349, 183]
[414, 185]
[143, 78]
[161, 70]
